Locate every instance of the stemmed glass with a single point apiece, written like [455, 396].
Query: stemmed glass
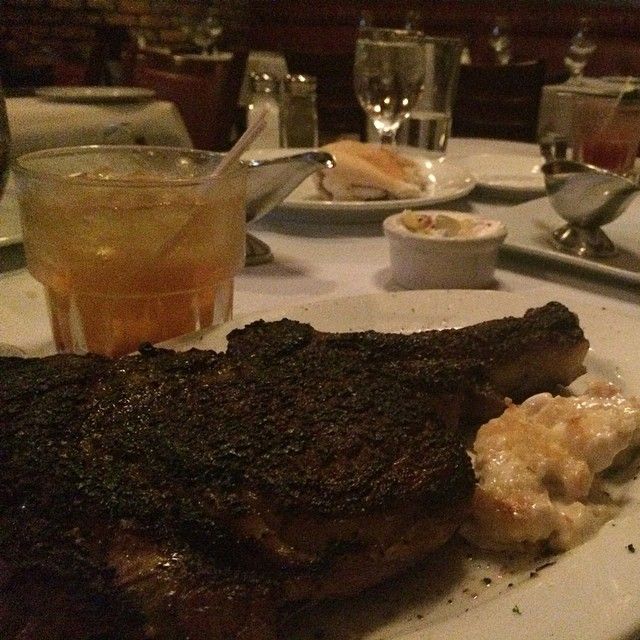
[500, 40]
[413, 20]
[207, 32]
[187, 25]
[581, 47]
[365, 21]
[388, 74]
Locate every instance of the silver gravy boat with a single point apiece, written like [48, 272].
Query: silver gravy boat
[270, 182]
[586, 197]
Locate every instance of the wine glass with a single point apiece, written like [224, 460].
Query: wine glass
[5, 143]
[187, 25]
[389, 72]
[413, 20]
[365, 21]
[207, 32]
[500, 40]
[581, 48]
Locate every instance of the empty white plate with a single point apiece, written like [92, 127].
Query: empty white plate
[507, 173]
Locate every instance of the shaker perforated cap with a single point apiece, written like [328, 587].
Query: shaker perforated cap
[298, 84]
[263, 83]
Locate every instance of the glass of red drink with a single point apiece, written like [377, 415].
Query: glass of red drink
[606, 132]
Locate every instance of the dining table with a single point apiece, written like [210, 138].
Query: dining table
[335, 271]
[316, 260]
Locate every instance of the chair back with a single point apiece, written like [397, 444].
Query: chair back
[157, 57]
[108, 62]
[500, 101]
[205, 91]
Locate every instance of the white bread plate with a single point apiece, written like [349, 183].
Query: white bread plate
[448, 180]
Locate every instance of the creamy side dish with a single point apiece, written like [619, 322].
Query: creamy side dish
[448, 225]
[537, 467]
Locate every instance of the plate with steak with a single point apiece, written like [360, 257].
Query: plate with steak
[221, 486]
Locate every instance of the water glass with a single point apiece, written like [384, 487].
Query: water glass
[428, 126]
[500, 40]
[388, 76]
[207, 32]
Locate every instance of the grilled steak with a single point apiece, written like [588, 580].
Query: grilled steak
[190, 495]
[518, 357]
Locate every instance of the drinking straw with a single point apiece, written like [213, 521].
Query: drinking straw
[243, 143]
[609, 119]
[229, 159]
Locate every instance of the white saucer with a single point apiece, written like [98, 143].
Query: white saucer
[507, 173]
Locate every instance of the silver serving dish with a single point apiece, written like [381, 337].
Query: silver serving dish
[587, 198]
[270, 182]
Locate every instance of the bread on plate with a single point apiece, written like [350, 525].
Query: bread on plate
[366, 171]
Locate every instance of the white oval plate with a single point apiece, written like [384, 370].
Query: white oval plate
[589, 593]
[532, 223]
[507, 173]
[94, 94]
[448, 181]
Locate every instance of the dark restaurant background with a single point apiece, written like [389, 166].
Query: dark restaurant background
[75, 30]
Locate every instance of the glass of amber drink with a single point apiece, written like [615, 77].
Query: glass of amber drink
[132, 244]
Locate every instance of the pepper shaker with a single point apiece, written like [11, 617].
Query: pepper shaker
[299, 126]
[265, 97]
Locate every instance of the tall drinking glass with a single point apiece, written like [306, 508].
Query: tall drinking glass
[428, 126]
[388, 76]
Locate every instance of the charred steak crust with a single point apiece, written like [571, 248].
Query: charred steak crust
[509, 350]
[176, 445]
[486, 342]
[74, 526]
[188, 494]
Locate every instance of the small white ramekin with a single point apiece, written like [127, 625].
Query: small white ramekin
[421, 261]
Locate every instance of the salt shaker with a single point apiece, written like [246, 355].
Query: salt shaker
[265, 97]
[299, 127]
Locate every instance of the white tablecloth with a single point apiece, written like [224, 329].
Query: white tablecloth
[37, 124]
[314, 262]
